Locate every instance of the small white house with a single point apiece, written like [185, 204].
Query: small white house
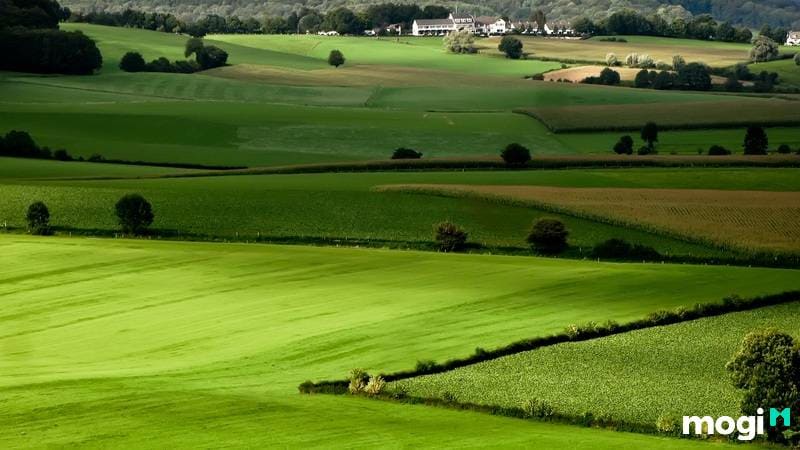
[491, 25]
[793, 38]
[432, 27]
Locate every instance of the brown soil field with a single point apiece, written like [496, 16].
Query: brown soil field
[744, 220]
[580, 73]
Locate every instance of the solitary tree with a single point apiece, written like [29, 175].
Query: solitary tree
[336, 58]
[548, 236]
[516, 154]
[38, 218]
[767, 368]
[650, 134]
[134, 213]
[132, 62]
[406, 153]
[611, 60]
[609, 77]
[450, 237]
[624, 146]
[461, 41]
[764, 49]
[755, 141]
[193, 45]
[511, 46]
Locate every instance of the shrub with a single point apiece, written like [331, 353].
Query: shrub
[718, 150]
[755, 141]
[38, 217]
[694, 76]
[548, 236]
[642, 79]
[539, 409]
[784, 149]
[425, 366]
[210, 57]
[511, 46]
[460, 42]
[624, 146]
[132, 62]
[609, 77]
[449, 397]
[664, 80]
[797, 58]
[406, 153]
[667, 424]
[134, 213]
[336, 58]
[515, 154]
[450, 237]
[645, 150]
[62, 155]
[611, 60]
[764, 49]
[732, 84]
[375, 385]
[620, 249]
[358, 381]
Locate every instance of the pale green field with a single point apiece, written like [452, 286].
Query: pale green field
[637, 377]
[112, 343]
[788, 70]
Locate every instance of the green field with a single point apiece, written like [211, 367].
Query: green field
[637, 377]
[279, 103]
[345, 207]
[788, 71]
[119, 341]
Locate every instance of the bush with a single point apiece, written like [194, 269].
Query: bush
[764, 49]
[210, 57]
[515, 154]
[375, 385]
[797, 58]
[425, 366]
[539, 409]
[718, 150]
[755, 141]
[336, 58]
[694, 77]
[38, 218]
[511, 46]
[624, 146]
[450, 237]
[611, 60]
[620, 249]
[667, 424]
[548, 236]
[678, 62]
[646, 150]
[784, 149]
[132, 62]
[48, 51]
[134, 213]
[406, 153]
[649, 134]
[664, 80]
[358, 381]
[732, 84]
[460, 42]
[609, 77]
[642, 79]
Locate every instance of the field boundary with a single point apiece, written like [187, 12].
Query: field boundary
[543, 162]
[574, 333]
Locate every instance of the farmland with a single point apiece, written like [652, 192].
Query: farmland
[339, 209]
[751, 220]
[679, 370]
[211, 348]
[280, 103]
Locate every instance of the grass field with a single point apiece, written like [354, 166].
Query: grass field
[337, 206]
[279, 103]
[118, 342]
[788, 70]
[749, 220]
[638, 377]
[718, 54]
[20, 168]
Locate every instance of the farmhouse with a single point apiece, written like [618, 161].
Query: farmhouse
[491, 25]
[793, 38]
[437, 27]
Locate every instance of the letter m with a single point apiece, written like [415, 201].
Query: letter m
[702, 425]
[785, 414]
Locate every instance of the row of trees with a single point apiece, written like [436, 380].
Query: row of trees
[755, 142]
[30, 40]
[133, 212]
[547, 236]
[206, 57]
[307, 20]
[629, 22]
[20, 144]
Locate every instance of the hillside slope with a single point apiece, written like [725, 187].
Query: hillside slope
[746, 12]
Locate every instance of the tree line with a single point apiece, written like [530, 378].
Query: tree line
[307, 20]
[30, 40]
[703, 27]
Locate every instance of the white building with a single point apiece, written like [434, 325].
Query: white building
[488, 25]
[793, 38]
[432, 27]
